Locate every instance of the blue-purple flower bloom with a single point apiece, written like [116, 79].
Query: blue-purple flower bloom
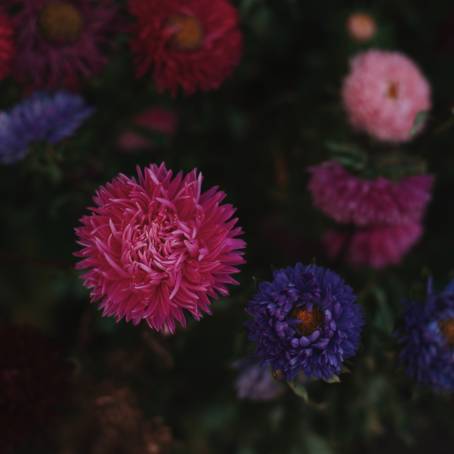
[427, 339]
[42, 117]
[306, 320]
[255, 381]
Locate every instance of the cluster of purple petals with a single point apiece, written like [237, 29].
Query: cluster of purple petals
[274, 329]
[42, 117]
[255, 381]
[426, 354]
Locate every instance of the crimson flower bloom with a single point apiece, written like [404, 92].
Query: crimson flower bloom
[192, 44]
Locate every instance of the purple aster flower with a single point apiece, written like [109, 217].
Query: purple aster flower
[40, 118]
[255, 381]
[306, 320]
[427, 339]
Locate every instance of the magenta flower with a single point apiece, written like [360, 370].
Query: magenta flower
[347, 198]
[157, 246]
[60, 42]
[375, 246]
[383, 94]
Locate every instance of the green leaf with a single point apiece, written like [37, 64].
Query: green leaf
[300, 390]
[420, 119]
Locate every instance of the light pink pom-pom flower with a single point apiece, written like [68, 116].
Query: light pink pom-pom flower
[376, 246]
[383, 94]
[347, 198]
[157, 246]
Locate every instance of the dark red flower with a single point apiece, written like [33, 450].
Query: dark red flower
[6, 44]
[33, 383]
[192, 44]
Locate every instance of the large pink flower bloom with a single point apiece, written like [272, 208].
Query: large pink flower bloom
[383, 94]
[350, 199]
[376, 246]
[60, 42]
[192, 44]
[158, 246]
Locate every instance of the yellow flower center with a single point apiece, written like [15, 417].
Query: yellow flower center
[393, 90]
[447, 328]
[60, 22]
[308, 320]
[188, 32]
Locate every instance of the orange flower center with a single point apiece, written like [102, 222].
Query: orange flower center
[188, 32]
[308, 320]
[393, 90]
[447, 328]
[60, 22]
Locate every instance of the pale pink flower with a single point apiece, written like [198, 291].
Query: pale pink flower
[347, 198]
[383, 94]
[375, 246]
[156, 247]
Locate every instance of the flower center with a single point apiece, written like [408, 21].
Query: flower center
[447, 328]
[308, 320]
[60, 22]
[393, 90]
[188, 32]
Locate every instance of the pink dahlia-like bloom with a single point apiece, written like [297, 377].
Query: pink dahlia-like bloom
[6, 44]
[192, 44]
[375, 246]
[157, 120]
[350, 199]
[383, 94]
[60, 42]
[157, 246]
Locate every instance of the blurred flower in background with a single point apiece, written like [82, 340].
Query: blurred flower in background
[192, 44]
[348, 198]
[154, 120]
[427, 339]
[383, 94]
[256, 382]
[376, 246]
[109, 420]
[305, 320]
[158, 246]
[6, 44]
[361, 26]
[43, 117]
[60, 43]
[34, 383]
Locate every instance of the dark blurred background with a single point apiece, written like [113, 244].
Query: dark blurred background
[255, 137]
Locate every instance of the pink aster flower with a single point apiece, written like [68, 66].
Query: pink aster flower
[376, 246]
[156, 247]
[6, 44]
[383, 94]
[350, 199]
[60, 42]
[157, 120]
